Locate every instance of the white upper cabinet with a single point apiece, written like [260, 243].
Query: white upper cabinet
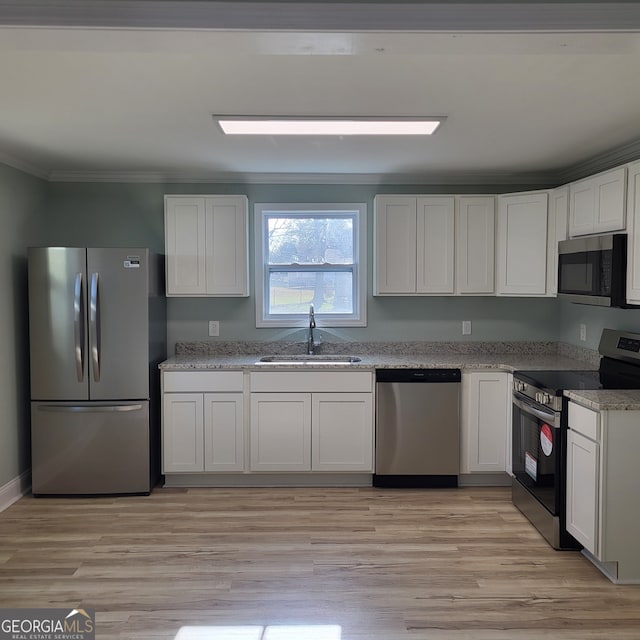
[184, 233]
[414, 240]
[206, 241]
[475, 245]
[522, 244]
[434, 245]
[633, 221]
[558, 222]
[597, 204]
[395, 243]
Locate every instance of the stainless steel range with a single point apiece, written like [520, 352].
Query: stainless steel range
[539, 435]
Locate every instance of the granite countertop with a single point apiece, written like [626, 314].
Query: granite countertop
[607, 399]
[505, 356]
[507, 362]
[463, 355]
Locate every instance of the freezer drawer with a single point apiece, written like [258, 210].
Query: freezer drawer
[90, 448]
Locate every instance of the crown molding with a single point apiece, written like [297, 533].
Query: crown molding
[613, 158]
[23, 166]
[538, 179]
[473, 15]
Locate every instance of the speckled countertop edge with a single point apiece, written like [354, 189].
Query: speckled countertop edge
[607, 399]
[508, 356]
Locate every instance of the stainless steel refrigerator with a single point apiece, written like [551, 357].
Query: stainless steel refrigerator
[97, 327]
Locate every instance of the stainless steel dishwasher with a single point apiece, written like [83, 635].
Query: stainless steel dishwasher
[417, 428]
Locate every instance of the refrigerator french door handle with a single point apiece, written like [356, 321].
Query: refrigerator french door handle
[78, 326]
[52, 408]
[94, 327]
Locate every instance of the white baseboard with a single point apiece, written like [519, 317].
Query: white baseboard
[13, 490]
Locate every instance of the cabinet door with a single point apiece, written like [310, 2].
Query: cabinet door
[223, 432]
[610, 194]
[633, 219]
[558, 221]
[226, 248]
[475, 242]
[435, 245]
[184, 228]
[395, 245]
[522, 244]
[582, 203]
[342, 432]
[582, 489]
[486, 405]
[182, 432]
[280, 434]
[597, 204]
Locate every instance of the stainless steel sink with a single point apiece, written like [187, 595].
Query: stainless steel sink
[309, 359]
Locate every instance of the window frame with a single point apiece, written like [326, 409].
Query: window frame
[359, 316]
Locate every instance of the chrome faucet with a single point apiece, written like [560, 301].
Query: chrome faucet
[311, 345]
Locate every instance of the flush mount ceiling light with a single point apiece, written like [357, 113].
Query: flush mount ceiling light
[318, 126]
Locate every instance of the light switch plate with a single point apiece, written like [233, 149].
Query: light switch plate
[214, 328]
[466, 327]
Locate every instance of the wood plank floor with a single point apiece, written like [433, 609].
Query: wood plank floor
[452, 564]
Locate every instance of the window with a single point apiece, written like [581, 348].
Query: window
[310, 254]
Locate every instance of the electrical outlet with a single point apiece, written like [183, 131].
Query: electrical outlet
[583, 332]
[466, 327]
[214, 328]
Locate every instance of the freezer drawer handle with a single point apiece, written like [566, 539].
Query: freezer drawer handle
[94, 327]
[78, 326]
[51, 408]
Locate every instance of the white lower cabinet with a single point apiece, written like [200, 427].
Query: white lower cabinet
[485, 421]
[602, 488]
[582, 489]
[325, 424]
[280, 432]
[342, 432]
[311, 432]
[182, 432]
[202, 428]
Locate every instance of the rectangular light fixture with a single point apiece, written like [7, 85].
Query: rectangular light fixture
[317, 126]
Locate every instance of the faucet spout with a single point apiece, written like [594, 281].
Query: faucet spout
[311, 345]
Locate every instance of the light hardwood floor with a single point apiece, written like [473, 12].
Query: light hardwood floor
[451, 564]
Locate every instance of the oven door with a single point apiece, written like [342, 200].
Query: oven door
[538, 452]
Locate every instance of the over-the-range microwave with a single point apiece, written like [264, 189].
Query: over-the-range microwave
[593, 270]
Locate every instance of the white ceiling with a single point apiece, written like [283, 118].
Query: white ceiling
[97, 102]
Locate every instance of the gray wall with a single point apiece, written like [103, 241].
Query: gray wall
[596, 319]
[132, 215]
[21, 219]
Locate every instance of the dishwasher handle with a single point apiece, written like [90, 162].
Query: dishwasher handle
[418, 375]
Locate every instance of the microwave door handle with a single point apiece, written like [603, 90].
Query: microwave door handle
[94, 327]
[549, 417]
[78, 326]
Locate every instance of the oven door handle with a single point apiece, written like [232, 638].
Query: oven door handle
[551, 418]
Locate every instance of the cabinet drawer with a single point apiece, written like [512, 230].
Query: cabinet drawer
[312, 381]
[202, 381]
[584, 421]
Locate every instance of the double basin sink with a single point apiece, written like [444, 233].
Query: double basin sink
[308, 359]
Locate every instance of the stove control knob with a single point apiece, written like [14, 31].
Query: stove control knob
[546, 398]
[519, 385]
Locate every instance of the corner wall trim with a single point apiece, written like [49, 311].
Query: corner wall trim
[13, 490]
